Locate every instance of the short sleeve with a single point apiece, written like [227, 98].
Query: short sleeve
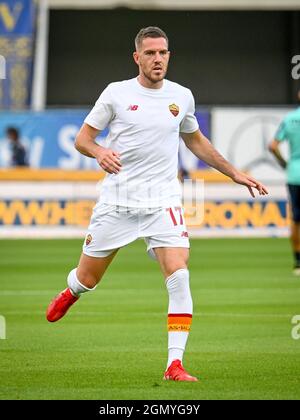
[280, 134]
[189, 124]
[102, 113]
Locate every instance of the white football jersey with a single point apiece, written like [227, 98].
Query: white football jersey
[144, 126]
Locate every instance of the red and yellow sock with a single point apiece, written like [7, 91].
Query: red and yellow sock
[179, 322]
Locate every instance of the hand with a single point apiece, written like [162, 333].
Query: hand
[109, 161]
[250, 183]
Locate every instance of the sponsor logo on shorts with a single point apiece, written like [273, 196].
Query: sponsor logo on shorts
[174, 109]
[88, 239]
[185, 234]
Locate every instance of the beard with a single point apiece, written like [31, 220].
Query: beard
[154, 78]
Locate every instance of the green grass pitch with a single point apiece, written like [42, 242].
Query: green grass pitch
[112, 343]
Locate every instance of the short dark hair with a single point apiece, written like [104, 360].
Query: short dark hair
[13, 131]
[149, 32]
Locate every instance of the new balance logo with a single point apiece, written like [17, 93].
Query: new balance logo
[185, 234]
[132, 108]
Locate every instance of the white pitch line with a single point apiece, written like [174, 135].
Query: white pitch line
[197, 314]
[54, 292]
[133, 290]
[26, 292]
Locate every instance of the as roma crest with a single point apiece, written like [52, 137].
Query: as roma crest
[88, 239]
[174, 109]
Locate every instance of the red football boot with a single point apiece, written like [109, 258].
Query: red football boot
[60, 304]
[176, 372]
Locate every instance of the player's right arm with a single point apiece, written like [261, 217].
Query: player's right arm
[274, 149]
[85, 143]
[280, 136]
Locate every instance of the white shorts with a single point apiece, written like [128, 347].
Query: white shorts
[113, 227]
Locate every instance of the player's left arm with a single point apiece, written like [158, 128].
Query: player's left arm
[204, 150]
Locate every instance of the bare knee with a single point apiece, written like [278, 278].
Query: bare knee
[170, 268]
[172, 259]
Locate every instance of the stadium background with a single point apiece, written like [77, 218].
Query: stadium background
[237, 63]
[236, 56]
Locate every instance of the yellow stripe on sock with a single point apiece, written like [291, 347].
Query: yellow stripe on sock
[180, 322]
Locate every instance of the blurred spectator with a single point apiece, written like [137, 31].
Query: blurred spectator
[18, 150]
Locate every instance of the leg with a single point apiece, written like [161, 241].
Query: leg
[295, 236]
[90, 270]
[171, 259]
[173, 263]
[80, 280]
[294, 191]
[108, 230]
[166, 237]
[295, 241]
